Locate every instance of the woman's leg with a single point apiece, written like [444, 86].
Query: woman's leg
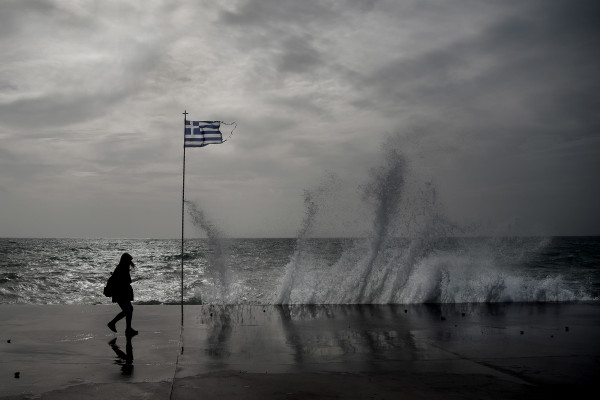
[119, 316]
[128, 315]
[127, 308]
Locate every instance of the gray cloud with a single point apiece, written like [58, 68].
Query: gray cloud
[495, 103]
[299, 56]
[258, 14]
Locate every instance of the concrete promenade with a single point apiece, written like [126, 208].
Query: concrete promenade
[502, 351]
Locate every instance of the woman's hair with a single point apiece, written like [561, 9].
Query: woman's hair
[126, 261]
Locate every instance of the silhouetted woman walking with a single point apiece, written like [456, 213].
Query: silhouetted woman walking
[122, 294]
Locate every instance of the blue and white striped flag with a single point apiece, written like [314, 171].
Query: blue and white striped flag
[202, 133]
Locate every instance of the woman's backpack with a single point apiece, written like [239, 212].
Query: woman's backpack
[108, 289]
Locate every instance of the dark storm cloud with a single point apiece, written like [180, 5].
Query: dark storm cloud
[288, 32]
[500, 102]
[512, 111]
[535, 61]
[495, 102]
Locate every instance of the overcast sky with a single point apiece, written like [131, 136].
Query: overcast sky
[495, 104]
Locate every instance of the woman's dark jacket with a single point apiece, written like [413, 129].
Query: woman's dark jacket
[122, 290]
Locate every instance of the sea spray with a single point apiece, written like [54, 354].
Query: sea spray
[358, 276]
[219, 289]
[411, 254]
[313, 198]
[385, 189]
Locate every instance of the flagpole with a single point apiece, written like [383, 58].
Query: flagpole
[183, 212]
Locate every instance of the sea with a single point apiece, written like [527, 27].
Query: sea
[407, 251]
[306, 270]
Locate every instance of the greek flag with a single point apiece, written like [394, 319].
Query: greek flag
[202, 133]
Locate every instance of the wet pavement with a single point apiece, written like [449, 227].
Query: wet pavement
[68, 348]
[491, 339]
